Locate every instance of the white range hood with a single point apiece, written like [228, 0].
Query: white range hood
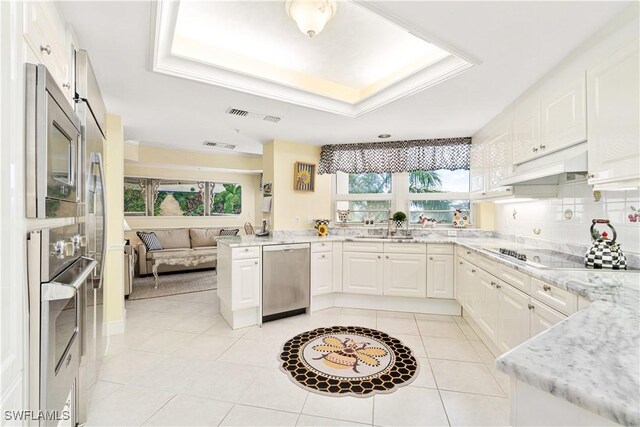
[549, 169]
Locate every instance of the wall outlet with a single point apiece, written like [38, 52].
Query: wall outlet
[452, 233]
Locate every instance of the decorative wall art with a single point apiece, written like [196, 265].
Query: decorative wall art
[304, 176]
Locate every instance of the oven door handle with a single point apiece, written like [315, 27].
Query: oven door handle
[54, 291]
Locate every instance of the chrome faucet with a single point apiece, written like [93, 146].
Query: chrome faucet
[389, 223]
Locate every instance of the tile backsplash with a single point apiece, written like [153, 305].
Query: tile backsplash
[567, 218]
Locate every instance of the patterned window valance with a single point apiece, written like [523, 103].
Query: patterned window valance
[396, 156]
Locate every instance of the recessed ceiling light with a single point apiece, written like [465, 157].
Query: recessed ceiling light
[384, 136]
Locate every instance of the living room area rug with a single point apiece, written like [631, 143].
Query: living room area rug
[174, 284]
[348, 361]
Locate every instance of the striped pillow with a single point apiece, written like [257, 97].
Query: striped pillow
[150, 240]
[230, 232]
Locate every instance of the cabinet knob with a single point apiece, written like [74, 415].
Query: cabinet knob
[256, 262]
[498, 286]
[387, 257]
[493, 284]
[468, 252]
[546, 287]
[535, 149]
[66, 85]
[46, 49]
[380, 257]
[431, 258]
[324, 256]
[531, 307]
[542, 146]
[473, 270]
[592, 175]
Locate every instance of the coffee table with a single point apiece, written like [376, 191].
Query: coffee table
[179, 259]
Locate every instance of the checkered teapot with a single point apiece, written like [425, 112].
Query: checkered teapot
[604, 252]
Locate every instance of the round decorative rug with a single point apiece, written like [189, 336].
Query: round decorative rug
[348, 360]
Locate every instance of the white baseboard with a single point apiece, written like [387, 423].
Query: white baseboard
[403, 304]
[115, 327]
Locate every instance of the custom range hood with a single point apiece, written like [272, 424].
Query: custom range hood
[551, 169]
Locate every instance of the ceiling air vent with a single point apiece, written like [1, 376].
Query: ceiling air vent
[256, 116]
[219, 145]
[237, 112]
[274, 119]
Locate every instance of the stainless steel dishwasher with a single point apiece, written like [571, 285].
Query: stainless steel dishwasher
[285, 280]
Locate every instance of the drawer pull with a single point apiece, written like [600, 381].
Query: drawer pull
[461, 263]
[493, 284]
[546, 287]
[380, 257]
[531, 307]
[498, 286]
[431, 258]
[473, 270]
[542, 146]
[324, 256]
[46, 49]
[246, 250]
[468, 252]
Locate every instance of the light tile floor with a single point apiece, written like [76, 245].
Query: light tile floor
[179, 363]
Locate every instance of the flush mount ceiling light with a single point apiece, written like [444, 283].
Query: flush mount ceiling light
[311, 15]
[384, 136]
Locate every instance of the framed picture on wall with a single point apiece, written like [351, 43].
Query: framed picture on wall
[304, 176]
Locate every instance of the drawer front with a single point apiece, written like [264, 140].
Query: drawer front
[514, 278]
[405, 248]
[321, 247]
[363, 247]
[440, 249]
[467, 254]
[246, 253]
[487, 264]
[563, 301]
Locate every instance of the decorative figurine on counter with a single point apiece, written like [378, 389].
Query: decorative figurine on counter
[604, 252]
[322, 226]
[426, 221]
[343, 216]
[460, 220]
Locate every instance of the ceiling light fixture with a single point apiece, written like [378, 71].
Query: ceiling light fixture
[384, 136]
[311, 15]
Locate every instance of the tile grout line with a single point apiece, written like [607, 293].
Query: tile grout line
[158, 410]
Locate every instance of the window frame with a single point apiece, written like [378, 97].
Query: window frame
[400, 198]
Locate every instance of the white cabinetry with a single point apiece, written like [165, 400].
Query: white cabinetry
[469, 292]
[487, 311]
[46, 34]
[362, 273]
[542, 317]
[491, 158]
[321, 273]
[526, 129]
[245, 283]
[440, 283]
[405, 275]
[513, 327]
[478, 186]
[564, 115]
[614, 120]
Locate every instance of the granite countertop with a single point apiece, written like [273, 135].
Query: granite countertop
[591, 359]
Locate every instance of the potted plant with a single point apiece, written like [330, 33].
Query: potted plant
[399, 217]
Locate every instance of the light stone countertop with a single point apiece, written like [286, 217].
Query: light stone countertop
[591, 359]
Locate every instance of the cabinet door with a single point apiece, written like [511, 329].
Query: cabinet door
[460, 287]
[362, 273]
[542, 317]
[513, 324]
[526, 130]
[440, 276]
[614, 118]
[321, 273]
[487, 309]
[478, 167]
[498, 156]
[564, 116]
[245, 277]
[471, 283]
[405, 275]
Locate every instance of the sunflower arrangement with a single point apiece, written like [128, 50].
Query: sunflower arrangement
[323, 230]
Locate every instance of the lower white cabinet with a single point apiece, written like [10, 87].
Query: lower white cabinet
[513, 327]
[321, 273]
[487, 311]
[440, 282]
[468, 280]
[362, 273]
[542, 317]
[245, 283]
[405, 275]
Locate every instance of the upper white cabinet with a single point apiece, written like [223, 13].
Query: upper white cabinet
[405, 275]
[46, 34]
[478, 167]
[526, 129]
[614, 115]
[362, 273]
[564, 115]
[440, 276]
[491, 158]
[321, 273]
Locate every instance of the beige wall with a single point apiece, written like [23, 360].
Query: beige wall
[152, 162]
[484, 216]
[293, 209]
[114, 262]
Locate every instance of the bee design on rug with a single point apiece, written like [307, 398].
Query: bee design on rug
[348, 353]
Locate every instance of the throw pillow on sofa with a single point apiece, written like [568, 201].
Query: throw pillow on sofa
[150, 240]
[229, 232]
